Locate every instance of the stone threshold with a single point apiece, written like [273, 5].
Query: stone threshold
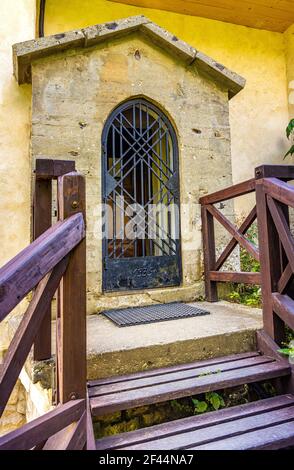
[229, 329]
[139, 298]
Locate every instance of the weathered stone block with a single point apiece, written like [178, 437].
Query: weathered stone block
[109, 418]
[136, 411]
[21, 407]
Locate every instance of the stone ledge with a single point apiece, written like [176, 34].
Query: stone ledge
[26, 52]
[139, 298]
[230, 329]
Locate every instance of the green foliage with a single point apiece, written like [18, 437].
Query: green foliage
[290, 128]
[215, 400]
[244, 293]
[289, 133]
[289, 334]
[181, 408]
[287, 351]
[212, 402]
[200, 406]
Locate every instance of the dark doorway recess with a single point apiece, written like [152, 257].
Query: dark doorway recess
[140, 180]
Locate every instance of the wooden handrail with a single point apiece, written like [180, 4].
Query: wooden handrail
[274, 197]
[280, 190]
[28, 329]
[231, 192]
[270, 180]
[284, 307]
[40, 429]
[20, 275]
[282, 172]
[55, 260]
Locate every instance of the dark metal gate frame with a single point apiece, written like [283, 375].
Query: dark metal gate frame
[151, 262]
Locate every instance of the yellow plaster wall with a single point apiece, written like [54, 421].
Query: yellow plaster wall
[17, 23]
[289, 43]
[259, 114]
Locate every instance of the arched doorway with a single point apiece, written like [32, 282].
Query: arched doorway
[140, 180]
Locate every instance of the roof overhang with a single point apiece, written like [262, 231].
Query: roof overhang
[272, 15]
[25, 53]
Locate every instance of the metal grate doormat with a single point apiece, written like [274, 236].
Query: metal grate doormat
[153, 313]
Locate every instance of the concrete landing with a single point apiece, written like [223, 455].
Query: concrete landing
[112, 350]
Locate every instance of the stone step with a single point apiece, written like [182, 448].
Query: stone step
[229, 329]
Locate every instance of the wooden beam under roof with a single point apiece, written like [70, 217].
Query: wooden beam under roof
[272, 15]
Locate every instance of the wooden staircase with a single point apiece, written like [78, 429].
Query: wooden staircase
[58, 253]
[212, 430]
[265, 424]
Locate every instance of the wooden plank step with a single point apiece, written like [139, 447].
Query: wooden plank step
[265, 424]
[167, 370]
[120, 393]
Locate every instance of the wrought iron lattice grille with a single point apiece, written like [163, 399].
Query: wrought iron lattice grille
[140, 183]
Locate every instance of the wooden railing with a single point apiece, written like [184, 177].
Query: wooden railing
[55, 260]
[213, 265]
[45, 172]
[274, 197]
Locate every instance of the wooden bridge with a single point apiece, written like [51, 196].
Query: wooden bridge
[57, 260]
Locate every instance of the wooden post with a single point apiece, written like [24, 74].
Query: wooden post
[283, 172]
[270, 262]
[71, 339]
[41, 222]
[46, 170]
[209, 254]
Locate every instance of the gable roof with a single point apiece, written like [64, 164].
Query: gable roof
[25, 53]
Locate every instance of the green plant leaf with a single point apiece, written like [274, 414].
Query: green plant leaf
[200, 406]
[290, 128]
[286, 351]
[215, 400]
[290, 152]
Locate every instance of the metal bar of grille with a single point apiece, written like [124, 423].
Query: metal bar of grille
[163, 232]
[135, 172]
[114, 205]
[142, 163]
[145, 143]
[121, 193]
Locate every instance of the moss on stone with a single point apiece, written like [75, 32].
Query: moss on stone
[109, 418]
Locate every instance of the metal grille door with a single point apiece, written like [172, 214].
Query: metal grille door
[141, 246]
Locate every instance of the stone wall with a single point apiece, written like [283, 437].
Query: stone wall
[73, 95]
[14, 414]
[32, 394]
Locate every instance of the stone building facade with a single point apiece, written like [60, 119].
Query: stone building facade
[79, 78]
